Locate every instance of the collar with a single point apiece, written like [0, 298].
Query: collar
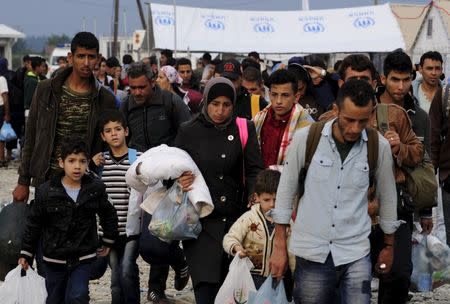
[58, 81]
[328, 131]
[32, 74]
[409, 101]
[284, 118]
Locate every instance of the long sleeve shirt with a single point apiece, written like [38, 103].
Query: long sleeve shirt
[332, 213]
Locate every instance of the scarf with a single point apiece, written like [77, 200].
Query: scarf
[299, 119]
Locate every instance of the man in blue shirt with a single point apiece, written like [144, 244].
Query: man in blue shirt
[330, 235]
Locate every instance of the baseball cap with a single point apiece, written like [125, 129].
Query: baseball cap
[231, 69]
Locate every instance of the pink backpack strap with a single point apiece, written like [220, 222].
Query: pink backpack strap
[243, 131]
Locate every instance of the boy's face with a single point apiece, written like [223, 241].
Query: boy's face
[74, 166]
[114, 134]
[266, 201]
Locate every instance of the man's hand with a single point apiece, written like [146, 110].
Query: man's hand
[393, 139]
[316, 73]
[23, 262]
[426, 224]
[186, 180]
[385, 259]
[279, 260]
[21, 193]
[98, 159]
[104, 251]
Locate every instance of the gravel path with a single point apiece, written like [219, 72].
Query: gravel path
[100, 292]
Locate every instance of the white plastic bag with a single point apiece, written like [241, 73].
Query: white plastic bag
[238, 283]
[18, 289]
[421, 278]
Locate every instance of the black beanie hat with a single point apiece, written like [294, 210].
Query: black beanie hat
[220, 89]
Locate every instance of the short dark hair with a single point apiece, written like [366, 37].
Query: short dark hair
[168, 53]
[36, 61]
[184, 61]
[336, 65]
[252, 74]
[267, 181]
[26, 58]
[207, 57]
[138, 69]
[171, 61]
[111, 115]
[64, 58]
[357, 62]
[254, 54]
[112, 62]
[315, 60]
[360, 92]
[397, 61]
[127, 59]
[299, 72]
[283, 76]
[433, 55]
[85, 40]
[74, 145]
[249, 62]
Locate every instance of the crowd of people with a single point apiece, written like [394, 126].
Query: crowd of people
[315, 194]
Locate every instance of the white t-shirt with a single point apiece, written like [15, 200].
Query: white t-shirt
[3, 88]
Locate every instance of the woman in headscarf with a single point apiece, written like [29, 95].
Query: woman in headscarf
[168, 79]
[212, 140]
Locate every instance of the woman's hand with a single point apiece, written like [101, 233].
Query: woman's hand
[186, 180]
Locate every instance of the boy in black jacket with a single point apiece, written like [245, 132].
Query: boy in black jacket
[64, 215]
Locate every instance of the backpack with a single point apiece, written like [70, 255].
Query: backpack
[254, 104]
[312, 141]
[243, 135]
[421, 184]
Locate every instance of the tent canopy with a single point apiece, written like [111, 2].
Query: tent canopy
[358, 29]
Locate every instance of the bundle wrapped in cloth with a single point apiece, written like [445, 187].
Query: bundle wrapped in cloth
[167, 163]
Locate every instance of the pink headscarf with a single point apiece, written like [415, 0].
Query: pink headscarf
[172, 74]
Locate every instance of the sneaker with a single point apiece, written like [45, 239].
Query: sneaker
[181, 278]
[154, 298]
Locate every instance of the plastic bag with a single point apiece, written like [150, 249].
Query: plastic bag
[238, 283]
[268, 294]
[421, 278]
[7, 133]
[175, 218]
[18, 289]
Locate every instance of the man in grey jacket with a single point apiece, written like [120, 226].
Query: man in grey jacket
[330, 235]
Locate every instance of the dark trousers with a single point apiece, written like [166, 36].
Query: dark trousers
[67, 285]
[205, 293]
[160, 255]
[446, 209]
[394, 287]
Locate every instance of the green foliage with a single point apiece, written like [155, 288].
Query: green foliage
[54, 39]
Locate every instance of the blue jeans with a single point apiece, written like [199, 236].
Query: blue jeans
[318, 283]
[125, 273]
[67, 285]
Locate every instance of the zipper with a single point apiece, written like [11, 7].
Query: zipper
[147, 141]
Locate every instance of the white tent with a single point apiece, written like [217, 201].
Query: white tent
[358, 29]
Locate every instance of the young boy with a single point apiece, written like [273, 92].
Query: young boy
[115, 163]
[252, 234]
[64, 214]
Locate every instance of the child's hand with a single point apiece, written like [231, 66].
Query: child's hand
[23, 262]
[104, 251]
[186, 180]
[240, 251]
[98, 159]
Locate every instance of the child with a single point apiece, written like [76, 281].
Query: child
[252, 234]
[115, 163]
[64, 214]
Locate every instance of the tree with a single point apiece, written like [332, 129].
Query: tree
[54, 40]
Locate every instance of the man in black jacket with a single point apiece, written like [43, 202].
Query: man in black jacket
[153, 117]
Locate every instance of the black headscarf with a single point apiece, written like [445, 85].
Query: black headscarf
[216, 87]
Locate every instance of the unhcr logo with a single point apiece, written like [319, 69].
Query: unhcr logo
[363, 22]
[214, 25]
[263, 27]
[164, 20]
[313, 27]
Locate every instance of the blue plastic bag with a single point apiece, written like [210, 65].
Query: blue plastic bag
[175, 218]
[267, 294]
[7, 133]
[421, 278]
